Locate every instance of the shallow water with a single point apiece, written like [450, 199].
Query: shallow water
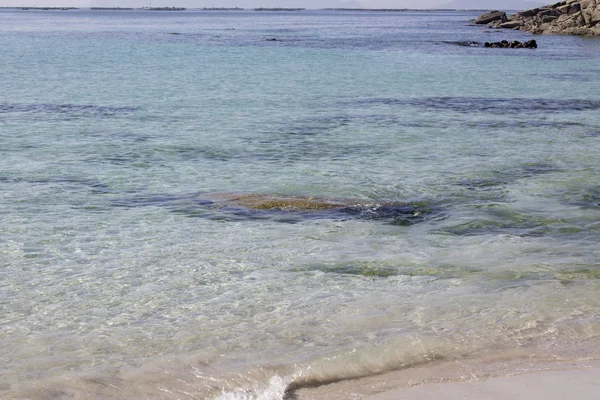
[121, 276]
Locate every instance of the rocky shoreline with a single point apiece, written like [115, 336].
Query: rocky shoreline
[570, 17]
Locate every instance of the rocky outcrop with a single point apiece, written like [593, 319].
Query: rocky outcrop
[570, 17]
[492, 16]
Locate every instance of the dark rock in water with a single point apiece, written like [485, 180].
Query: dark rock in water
[271, 40]
[492, 16]
[515, 44]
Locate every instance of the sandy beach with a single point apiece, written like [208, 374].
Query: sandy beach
[548, 385]
[471, 379]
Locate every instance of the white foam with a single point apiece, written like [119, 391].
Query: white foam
[274, 390]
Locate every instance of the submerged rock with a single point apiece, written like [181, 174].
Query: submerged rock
[258, 201]
[303, 207]
[570, 17]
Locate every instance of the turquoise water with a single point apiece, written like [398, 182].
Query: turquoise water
[125, 272]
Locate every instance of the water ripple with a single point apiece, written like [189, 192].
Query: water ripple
[490, 105]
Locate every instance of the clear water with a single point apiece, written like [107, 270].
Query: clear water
[120, 277]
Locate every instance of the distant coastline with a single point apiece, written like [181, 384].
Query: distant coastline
[111, 8]
[242, 9]
[42, 8]
[278, 9]
[219, 9]
[164, 8]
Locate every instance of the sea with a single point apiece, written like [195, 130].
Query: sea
[461, 236]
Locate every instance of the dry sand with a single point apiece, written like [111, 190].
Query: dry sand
[547, 385]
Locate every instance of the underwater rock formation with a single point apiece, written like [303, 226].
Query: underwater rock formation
[304, 207]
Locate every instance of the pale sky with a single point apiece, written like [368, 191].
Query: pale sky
[250, 3]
